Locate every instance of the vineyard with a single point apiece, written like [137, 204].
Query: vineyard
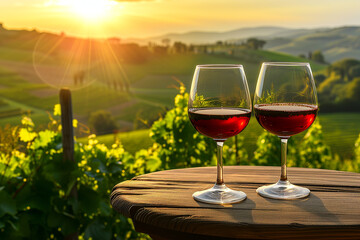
[36, 200]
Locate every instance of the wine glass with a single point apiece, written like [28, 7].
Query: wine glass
[285, 104]
[219, 108]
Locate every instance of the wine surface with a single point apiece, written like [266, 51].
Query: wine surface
[285, 119]
[219, 123]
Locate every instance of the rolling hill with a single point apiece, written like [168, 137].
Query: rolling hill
[151, 83]
[236, 35]
[335, 43]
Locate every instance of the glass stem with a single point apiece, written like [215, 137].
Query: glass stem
[220, 178]
[284, 141]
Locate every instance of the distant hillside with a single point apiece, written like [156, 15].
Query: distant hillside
[203, 37]
[211, 37]
[335, 43]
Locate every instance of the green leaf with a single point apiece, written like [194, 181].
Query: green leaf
[88, 200]
[105, 208]
[7, 204]
[57, 110]
[44, 138]
[98, 164]
[41, 192]
[26, 136]
[74, 203]
[115, 167]
[153, 164]
[62, 172]
[66, 223]
[97, 231]
[54, 219]
[13, 225]
[24, 224]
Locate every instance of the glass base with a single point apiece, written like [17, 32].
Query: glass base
[219, 194]
[283, 190]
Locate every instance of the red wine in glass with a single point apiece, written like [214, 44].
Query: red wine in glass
[219, 108]
[285, 119]
[219, 123]
[285, 104]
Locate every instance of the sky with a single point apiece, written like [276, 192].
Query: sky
[146, 18]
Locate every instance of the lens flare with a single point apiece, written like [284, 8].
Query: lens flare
[89, 10]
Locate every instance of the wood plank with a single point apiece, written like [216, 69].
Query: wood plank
[217, 232]
[320, 206]
[256, 174]
[162, 201]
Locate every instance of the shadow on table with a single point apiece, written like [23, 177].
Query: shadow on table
[240, 213]
[311, 204]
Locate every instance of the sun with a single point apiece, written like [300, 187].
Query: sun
[91, 10]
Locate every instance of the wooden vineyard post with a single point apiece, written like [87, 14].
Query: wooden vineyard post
[67, 124]
[68, 138]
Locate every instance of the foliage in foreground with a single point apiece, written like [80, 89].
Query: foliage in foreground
[36, 184]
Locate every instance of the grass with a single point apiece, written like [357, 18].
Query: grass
[132, 141]
[11, 113]
[341, 131]
[13, 54]
[151, 83]
[152, 86]
[39, 116]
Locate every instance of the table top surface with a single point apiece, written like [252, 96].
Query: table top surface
[162, 201]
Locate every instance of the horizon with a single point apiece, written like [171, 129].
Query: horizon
[5, 26]
[144, 19]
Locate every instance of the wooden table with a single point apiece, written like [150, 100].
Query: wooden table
[161, 205]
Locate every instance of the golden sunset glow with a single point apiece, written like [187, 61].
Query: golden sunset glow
[147, 18]
[91, 10]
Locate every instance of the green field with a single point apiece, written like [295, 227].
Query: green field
[152, 84]
[152, 91]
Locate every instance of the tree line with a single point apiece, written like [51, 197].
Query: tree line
[339, 86]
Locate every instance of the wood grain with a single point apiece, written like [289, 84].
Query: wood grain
[161, 205]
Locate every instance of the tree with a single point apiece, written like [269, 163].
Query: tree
[301, 55]
[343, 67]
[354, 71]
[205, 49]
[179, 47]
[166, 42]
[191, 48]
[102, 122]
[114, 40]
[351, 90]
[319, 78]
[255, 43]
[133, 53]
[317, 56]
[160, 50]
